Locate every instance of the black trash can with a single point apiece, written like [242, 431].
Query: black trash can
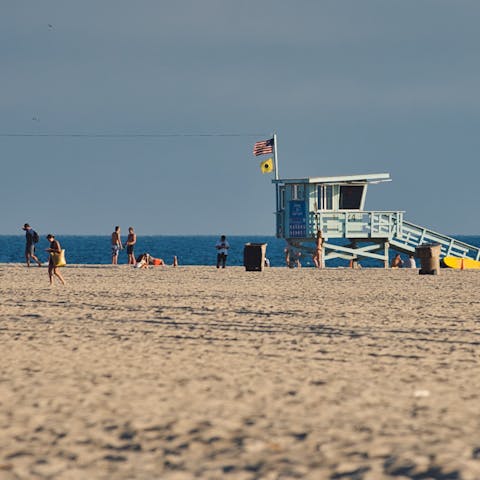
[254, 256]
[429, 256]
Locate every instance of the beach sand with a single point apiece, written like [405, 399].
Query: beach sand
[225, 374]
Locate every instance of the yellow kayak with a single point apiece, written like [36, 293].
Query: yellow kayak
[461, 263]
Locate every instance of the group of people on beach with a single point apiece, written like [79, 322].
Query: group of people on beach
[117, 245]
[144, 260]
[397, 262]
[293, 256]
[56, 258]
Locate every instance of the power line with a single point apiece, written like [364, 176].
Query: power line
[129, 135]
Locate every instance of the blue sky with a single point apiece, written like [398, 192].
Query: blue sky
[349, 86]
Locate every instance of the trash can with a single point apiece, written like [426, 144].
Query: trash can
[254, 256]
[429, 256]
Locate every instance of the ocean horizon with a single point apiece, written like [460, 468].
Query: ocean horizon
[189, 249]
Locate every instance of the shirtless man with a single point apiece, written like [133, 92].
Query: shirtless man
[131, 241]
[116, 245]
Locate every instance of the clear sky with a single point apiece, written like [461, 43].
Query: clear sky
[349, 86]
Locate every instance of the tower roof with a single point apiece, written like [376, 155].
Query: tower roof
[364, 178]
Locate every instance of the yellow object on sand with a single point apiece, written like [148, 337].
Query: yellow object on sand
[462, 263]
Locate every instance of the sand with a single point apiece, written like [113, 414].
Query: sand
[225, 374]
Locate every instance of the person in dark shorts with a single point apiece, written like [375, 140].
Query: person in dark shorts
[222, 247]
[31, 238]
[131, 241]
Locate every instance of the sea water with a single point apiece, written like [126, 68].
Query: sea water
[190, 250]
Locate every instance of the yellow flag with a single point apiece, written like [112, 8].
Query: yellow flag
[267, 166]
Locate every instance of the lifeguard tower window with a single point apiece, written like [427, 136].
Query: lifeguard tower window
[298, 191]
[350, 197]
[325, 197]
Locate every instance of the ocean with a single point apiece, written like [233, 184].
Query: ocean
[190, 250]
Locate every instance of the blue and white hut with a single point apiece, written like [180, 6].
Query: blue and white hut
[335, 206]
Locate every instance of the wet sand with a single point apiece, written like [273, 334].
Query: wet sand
[197, 373]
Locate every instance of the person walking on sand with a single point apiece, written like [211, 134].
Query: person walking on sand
[52, 268]
[222, 247]
[131, 241]
[116, 245]
[31, 238]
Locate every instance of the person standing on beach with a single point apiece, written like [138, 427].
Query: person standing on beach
[116, 245]
[317, 255]
[222, 247]
[287, 255]
[31, 238]
[52, 268]
[411, 261]
[131, 241]
[292, 256]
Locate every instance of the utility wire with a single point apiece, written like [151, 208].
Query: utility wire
[130, 135]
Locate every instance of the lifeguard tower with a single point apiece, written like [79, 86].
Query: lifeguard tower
[335, 206]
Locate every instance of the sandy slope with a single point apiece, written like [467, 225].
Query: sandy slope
[197, 373]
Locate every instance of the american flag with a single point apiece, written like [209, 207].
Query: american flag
[263, 148]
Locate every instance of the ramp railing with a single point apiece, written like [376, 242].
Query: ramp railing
[411, 236]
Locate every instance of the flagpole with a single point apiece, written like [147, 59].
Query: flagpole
[275, 155]
[277, 190]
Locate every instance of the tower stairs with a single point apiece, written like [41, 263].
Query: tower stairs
[411, 236]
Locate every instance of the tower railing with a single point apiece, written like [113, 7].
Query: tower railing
[388, 227]
[413, 235]
[356, 224]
